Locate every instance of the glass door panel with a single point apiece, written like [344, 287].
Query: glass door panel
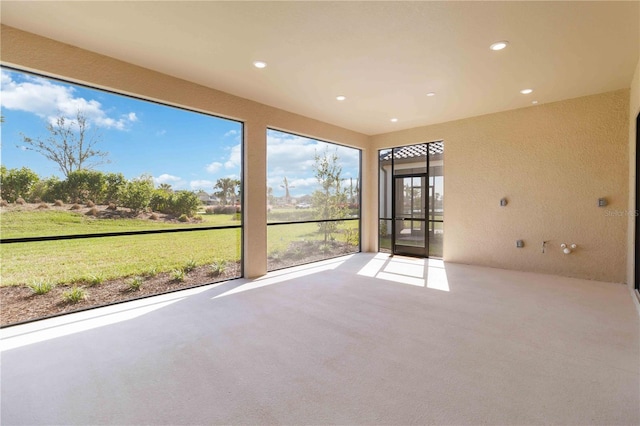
[410, 223]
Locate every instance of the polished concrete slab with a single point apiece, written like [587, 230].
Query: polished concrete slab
[364, 339]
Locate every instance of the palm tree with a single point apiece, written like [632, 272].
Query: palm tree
[286, 186]
[166, 187]
[227, 190]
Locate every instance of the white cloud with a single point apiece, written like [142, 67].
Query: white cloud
[235, 158]
[207, 185]
[293, 157]
[166, 178]
[176, 182]
[161, 132]
[214, 167]
[48, 100]
[231, 133]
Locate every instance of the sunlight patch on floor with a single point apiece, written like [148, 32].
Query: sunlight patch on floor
[429, 273]
[40, 331]
[276, 277]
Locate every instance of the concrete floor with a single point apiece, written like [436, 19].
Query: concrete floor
[365, 339]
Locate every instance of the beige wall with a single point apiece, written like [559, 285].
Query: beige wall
[31, 52]
[552, 162]
[634, 110]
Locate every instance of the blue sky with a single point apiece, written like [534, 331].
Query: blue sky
[185, 149]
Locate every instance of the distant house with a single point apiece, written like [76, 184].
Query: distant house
[207, 199]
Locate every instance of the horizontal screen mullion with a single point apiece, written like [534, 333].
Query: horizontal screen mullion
[113, 234]
[312, 221]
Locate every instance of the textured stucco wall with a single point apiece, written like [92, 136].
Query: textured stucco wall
[634, 110]
[552, 162]
[31, 52]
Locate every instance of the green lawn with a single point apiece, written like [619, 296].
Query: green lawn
[55, 222]
[280, 236]
[65, 261]
[70, 260]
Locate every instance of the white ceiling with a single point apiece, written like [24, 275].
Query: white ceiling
[383, 56]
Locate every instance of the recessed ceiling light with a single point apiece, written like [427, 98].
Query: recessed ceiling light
[534, 102]
[394, 120]
[526, 91]
[259, 64]
[341, 98]
[499, 45]
[431, 94]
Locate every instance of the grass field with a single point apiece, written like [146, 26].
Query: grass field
[65, 261]
[280, 236]
[39, 223]
[112, 257]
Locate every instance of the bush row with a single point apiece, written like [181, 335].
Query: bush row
[84, 186]
[222, 210]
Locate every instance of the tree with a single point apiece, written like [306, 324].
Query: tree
[330, 201]
[227, 190]
[286, 186]
[70, 144]
[270, 197]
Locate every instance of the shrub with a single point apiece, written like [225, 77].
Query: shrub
[352, 237]
[114, 182]
[75, 207]
[218, 267]
[189, 266]
[177, 275]
[225, 209]
[197, 217]
[183, 218]
[160, 201]
[48, 190]
[43, 206]
[20, 201]
[16, 183]
[152, 271]
[178, 203]
[184, 203]
[58, 203]
[210, 210]
[90, 203]
[82, 185]
[3, 203]
[74, 295]
[40, 287]
[135, 283]
[94, 280]
[136, 194]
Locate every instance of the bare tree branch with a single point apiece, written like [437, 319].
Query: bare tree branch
[69, 145]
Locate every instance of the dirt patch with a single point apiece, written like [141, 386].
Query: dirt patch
[301, 252]
[19, 303]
